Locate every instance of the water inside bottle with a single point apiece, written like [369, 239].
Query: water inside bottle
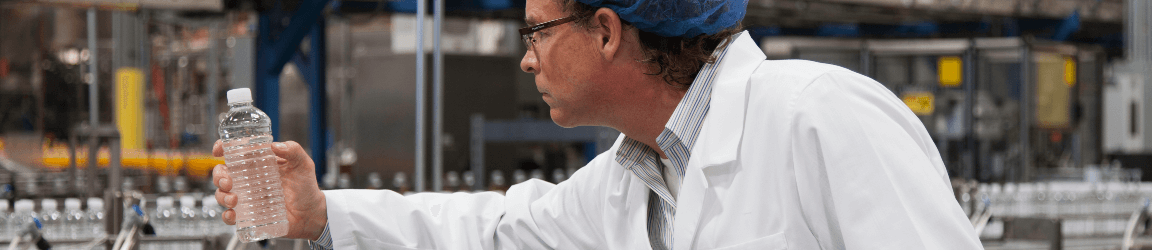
[260, 212]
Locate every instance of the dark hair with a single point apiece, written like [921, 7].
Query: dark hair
[676, 59]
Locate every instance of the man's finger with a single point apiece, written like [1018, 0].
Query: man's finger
[219, 173]
[231, 199]
[221, 197]
[225, 184]
[229, 217]
[218, 149]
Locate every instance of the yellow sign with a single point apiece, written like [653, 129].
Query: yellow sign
[130, 107]
[1054, 98]
[1069, 71]
[921, 103]
[950, 70]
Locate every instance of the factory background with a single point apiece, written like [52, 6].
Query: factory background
[1038, 107]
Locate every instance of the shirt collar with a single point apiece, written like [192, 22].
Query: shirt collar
[683, 127]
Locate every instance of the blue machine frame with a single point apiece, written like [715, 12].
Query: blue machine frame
[277, 43]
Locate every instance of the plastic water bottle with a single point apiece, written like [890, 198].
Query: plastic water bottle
[93, 221]
[469, 181]
[210, 223]
[180, 184]
[375, 181]
[247, 139]
[163, 185]
[453, 181]
[52, 218]
[162, 220]
[73, 220]
[24, 213]
[536, 174]
[188, 225]
[558, 175]
[519, 176]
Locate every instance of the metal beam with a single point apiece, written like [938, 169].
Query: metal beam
[476, 150]
[420, 14]
[969, 81]
[212, 83]
[93, 75]
[438, 99]
[1025, 114]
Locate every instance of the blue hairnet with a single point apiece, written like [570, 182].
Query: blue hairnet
[677, 18]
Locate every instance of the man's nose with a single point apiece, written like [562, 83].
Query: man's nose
[529, 64]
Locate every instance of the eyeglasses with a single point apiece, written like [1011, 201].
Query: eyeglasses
[528, 34]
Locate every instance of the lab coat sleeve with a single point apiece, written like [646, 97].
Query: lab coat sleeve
[532, 215]
[870, 174]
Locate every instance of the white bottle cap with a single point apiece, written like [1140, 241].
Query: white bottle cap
[72, 204]
[209, 201]
[187, 201]
[25, 205]
[239, 95]
[48, 204]
[95, 203]
[4, 205]
[164, 202]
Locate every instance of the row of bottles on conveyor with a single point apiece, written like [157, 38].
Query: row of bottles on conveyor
[167, 215]
[73, 222]
[183, 218]
[453, 181]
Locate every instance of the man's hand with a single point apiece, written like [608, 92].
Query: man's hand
[307, 210]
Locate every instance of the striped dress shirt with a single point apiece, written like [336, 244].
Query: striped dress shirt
[324, 242]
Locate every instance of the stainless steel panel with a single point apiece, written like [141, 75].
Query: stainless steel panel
[384, 100]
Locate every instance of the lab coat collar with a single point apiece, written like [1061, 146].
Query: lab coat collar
[720, 135]
[723, 127]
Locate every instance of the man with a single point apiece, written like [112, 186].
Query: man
[720, 150]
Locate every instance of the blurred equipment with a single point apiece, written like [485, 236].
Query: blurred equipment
[190, 5]
[596, 139]
[1127, 113]
[31, 232]
[999, 109]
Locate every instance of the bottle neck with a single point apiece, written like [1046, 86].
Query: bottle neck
[239, 104]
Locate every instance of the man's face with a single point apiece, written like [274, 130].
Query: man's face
[564, 60]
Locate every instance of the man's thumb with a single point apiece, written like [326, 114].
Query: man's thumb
[283, 151]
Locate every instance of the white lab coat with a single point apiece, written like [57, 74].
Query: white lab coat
[792, 155]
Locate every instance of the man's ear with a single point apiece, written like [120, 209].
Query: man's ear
[608, 31]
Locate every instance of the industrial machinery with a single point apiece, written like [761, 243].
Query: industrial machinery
[970, 94]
